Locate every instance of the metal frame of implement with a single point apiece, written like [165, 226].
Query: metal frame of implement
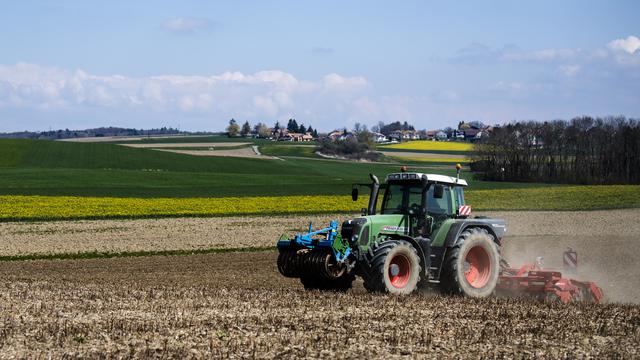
[546, 284]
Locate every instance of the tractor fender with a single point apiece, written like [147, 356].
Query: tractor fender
[495, 227]
[423, 247]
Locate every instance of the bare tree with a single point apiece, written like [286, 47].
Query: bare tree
[584, 150]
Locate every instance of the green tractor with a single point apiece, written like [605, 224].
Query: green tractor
[420, 235]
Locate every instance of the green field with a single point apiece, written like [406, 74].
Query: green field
[177, 184]
[289, 150]
[29, 167]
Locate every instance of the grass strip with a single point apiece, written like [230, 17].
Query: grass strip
[107, 255]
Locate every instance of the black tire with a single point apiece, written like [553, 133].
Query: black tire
[393, 268]
[471, 267]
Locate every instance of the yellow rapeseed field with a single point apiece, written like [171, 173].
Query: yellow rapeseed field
[432, 159]
[431, 145]
[70, 207]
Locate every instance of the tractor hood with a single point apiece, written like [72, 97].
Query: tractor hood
[360, 229]
[392, 224]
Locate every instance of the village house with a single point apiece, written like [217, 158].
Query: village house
[296, 137]
[335, 135]
[379, 138]
[430, 135]
[404, 135]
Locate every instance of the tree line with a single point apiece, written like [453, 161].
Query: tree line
[263, 131]
[584, 150]
[387, 129]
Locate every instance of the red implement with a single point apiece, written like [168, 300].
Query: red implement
[543, 284]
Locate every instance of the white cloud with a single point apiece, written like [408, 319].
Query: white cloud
[366, 107]
[569, 70]
[336, 82]
[543, 55]
[185, 25]
[630, 45]
[271, 94]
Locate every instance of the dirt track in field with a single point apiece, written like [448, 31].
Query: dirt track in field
[607, 242]
[187, 145]
[237, 305]
[244, 153]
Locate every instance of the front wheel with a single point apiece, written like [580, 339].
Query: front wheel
[394, 268]
[471, 267]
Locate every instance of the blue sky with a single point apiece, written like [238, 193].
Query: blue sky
[195, 64]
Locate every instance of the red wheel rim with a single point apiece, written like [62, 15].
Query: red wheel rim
[399, 271]
[477, 267]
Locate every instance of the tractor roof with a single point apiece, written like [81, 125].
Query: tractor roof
[441, 179]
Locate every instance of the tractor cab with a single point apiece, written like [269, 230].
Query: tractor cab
[423, 200]
[416, 193]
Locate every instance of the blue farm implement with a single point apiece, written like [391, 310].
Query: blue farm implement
[317, 258]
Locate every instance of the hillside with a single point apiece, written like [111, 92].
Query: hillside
[36, 167]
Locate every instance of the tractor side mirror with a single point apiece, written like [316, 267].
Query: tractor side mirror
[354, 194]
[438, 191]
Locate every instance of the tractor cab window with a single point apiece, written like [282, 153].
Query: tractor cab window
[403, 198]
[459, 193]
[439, 206]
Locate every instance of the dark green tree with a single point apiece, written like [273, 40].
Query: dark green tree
[246, 129]
[292, 125]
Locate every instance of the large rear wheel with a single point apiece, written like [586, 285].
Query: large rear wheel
[394, 268]
[471, 267]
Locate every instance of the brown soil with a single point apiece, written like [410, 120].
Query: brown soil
[607, 242]
[19, 238]
[237, 305]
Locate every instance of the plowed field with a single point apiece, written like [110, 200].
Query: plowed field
[237, 305]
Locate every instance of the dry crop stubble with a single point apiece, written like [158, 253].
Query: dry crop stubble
[605, 258]
[238, 305]
[63, 237]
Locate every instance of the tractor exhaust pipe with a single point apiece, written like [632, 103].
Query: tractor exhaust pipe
[373, 198]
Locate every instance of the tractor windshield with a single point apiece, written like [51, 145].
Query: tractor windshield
[405, 198]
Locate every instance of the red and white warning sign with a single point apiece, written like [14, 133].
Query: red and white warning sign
[464, 210]
[570, 260]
